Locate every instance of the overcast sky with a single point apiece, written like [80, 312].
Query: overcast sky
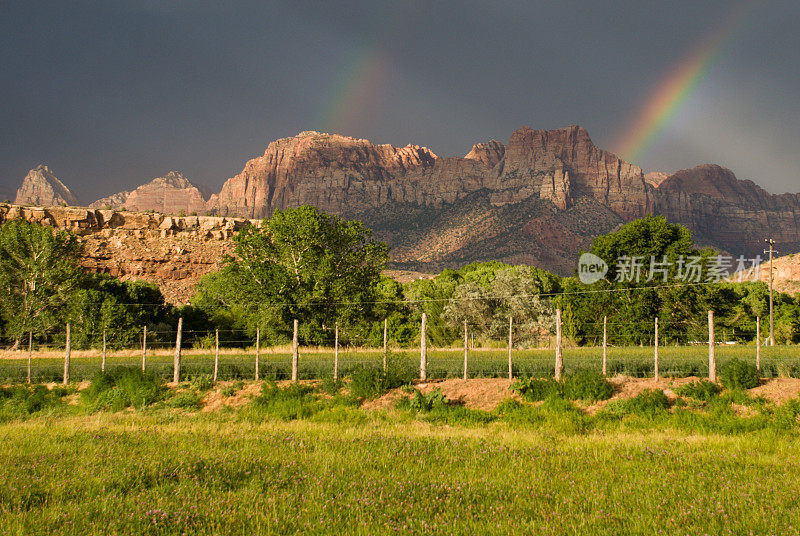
[111, 94]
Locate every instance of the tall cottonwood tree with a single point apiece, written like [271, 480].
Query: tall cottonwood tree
[302, 263]
[39, 271]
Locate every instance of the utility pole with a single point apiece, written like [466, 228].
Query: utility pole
[771, 251]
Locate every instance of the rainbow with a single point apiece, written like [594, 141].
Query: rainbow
[366, 71]
[676, 88]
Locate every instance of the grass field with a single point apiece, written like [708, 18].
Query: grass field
[165, 472]
[442, 363]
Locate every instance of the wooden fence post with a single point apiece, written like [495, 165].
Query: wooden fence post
[385, 342]
[758, 343]
[510, 345]
[103, 362]
[656, 351]
[176, 373]
[295, 353]
[216, 354]
[423, 349]
[30, 353]
[336, 352]
[258, 350]
[466, 354]
[712, 360]
[605, 345]
[144, 347]
[67, 354]
[559, 357]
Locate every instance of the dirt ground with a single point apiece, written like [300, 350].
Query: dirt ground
[487, 393]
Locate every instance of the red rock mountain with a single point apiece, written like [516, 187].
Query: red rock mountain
[170, 194]
[537, 200]
[41, 187]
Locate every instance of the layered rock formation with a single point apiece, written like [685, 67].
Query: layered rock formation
[538, 200]
[348, 176]
[42, 187]
[728, 213]
[171, 194]
[173, 252]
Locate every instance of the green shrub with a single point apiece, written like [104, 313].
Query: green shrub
[367, 382]
[587, 385]
[202, 382]
[122, 388]
[292, 402]
[420, 401]
[699, 390]
[738, 374]
[22, 400]
[785, 416]
[536, 389]
[185, 400]
[399, 372]
[331, 386]
[650, 403]
[584, 385]
[229, 390]
[371, 382]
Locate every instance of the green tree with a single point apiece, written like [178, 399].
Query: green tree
[499, 292]
[122, 308]
[303, 264]
[632, 304]
[39, 273]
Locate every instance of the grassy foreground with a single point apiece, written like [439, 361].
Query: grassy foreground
[168, 472]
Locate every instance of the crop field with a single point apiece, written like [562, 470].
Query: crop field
[317, 363]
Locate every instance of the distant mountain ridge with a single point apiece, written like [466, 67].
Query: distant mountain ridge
[538, 199]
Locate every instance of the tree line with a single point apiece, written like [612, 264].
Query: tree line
[327, 272]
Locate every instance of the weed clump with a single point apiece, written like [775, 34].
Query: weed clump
[537, 389]
[588, 386]
[650, 404]
[185, 400]
[700, 390]
[122, 388]
[202, 382]
[289, 403]
[584, 385]
[371, 382]
[420, 401]
[738, 374]
[23, 400]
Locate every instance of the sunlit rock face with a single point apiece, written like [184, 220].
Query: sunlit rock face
[539, 199]
[41, 187]
[171, 194]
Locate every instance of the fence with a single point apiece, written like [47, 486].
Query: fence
[166, 354]
[180, 355]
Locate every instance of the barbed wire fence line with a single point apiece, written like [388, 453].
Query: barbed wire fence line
[241, 356]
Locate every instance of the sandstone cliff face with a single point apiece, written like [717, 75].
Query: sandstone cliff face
[329, 171]
[170, 194]
[347, 176]
[42, 187]
[539, 199]
[173, 252]
[728, 213]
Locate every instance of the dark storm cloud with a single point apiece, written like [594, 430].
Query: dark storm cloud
[112, 94]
